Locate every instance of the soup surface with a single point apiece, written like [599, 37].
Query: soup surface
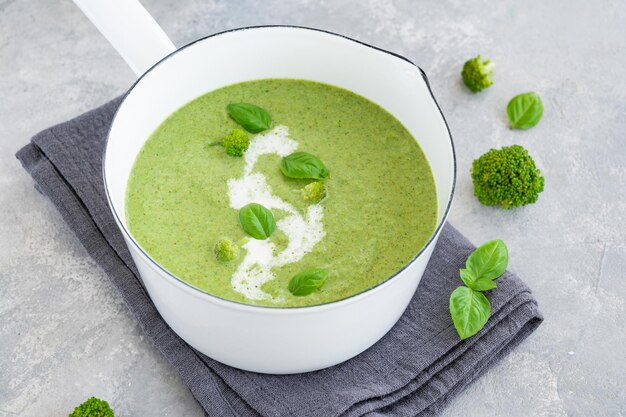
[380, 210]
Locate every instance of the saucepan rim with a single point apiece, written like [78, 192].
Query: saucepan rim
[198, 291]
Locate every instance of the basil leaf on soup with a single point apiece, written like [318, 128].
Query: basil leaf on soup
[249, 116]
[488, 261]
[525, 110]
[470, 310]
[257, 221]
[307, 281]
[303, 165]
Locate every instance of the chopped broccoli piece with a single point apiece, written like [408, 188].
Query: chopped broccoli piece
[314, 192]
[235, 143]
[476, 74]
[507, 177]
[93, 407]
[226, 250]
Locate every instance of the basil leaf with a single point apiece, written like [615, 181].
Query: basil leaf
[470, 310]
[488, 261]
[477, 284]
[467, 276]
[525, 110]
[307, 281]
[252, 118]
[303, 165]
[257, 221]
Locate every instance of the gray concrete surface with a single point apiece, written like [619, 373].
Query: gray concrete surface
[64, 333]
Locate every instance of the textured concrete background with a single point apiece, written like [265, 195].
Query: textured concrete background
[64, 333]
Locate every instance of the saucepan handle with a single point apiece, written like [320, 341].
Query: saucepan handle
[132, 31]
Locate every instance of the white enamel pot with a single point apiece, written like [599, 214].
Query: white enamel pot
[265, 339]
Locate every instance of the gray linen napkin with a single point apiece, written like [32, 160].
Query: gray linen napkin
[414, 370]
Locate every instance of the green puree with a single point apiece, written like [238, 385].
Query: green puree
[380, 211]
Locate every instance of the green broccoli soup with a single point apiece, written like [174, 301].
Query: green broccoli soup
[281, 192]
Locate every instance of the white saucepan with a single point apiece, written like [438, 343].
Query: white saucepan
[264, 339]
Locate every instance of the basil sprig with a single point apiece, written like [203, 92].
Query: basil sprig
[249, 116]
[469, 307]
[257, 221]
[303, 165]
[307, 281]
[525, 110]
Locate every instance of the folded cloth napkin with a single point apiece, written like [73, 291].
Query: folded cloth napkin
[413, 370]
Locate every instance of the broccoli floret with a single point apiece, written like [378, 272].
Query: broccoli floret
[476, 74]
[507, 177]
[226, 250]
[93, 407]
[314, 192]
[235, 144]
